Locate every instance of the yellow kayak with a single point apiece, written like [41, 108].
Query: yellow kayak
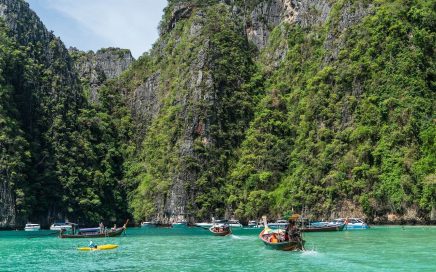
[102, 247]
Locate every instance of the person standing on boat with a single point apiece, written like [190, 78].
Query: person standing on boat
[101, 227]
[292, 233]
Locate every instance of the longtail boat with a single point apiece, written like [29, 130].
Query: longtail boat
[96, 233]
[220, 230]
[279, 240]
[220, 227]
[312, 228]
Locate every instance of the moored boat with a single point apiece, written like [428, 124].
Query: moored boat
[234, 223]
[180, 224]
[32, 227]
[351, 223]
[94, 232]
[61, 225]
[147, 225]
[318, 228]
[254, 224]
[278, 224]
[204, 225]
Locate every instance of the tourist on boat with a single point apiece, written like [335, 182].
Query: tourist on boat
[292, 233]
[92, 245]
[273, 238]
[115, 227]
[101, 227]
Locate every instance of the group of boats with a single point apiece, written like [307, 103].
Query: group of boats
[71, 230]
[305, 225]
[281, 235]
[55, 226]
[276, 235]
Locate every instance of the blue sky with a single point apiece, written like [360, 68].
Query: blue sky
[93, 24]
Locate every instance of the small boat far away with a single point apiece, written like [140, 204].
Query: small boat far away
[32, 227]
[204, 225]
[278, 224]
[61, 225]
[320, 226]
[233, 223]
[180, 224]
[351, 223]
[253, 224]
[147, 224]
[288, 240]
[220, 228]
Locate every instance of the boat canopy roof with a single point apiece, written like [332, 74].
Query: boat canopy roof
[90, 230]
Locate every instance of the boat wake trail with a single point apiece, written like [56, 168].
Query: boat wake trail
[310, 252]
[236, 237]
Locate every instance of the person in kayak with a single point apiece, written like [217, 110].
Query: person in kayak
[92, 245]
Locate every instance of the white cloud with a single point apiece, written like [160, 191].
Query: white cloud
[128, 24]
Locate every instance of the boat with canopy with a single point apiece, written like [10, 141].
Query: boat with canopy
[93, 232]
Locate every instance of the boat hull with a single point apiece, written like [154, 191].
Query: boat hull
[285, 246]
[32, 229]
[323, 228]
[179, 225]
[356, 227]
[147, 225]
[225, 232]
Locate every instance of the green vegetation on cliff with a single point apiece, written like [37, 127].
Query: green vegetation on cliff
[334, 116]
[60, 157]
[357, 131]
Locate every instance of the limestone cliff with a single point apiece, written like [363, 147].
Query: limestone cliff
[39, 68]
[246, 178]
[94, 69]
[241, 108]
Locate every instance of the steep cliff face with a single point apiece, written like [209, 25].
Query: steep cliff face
[269, 14]
[60, 156]
[37, 79]
[242, 108]
[299, 146]
[186, 109]
[94, 69]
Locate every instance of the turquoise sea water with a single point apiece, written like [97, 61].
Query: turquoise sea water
[377, 249]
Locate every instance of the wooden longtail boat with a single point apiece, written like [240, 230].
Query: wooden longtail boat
[323, 228]
[277, 239]
[273, 243]
[220, 230]
[109, 233]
